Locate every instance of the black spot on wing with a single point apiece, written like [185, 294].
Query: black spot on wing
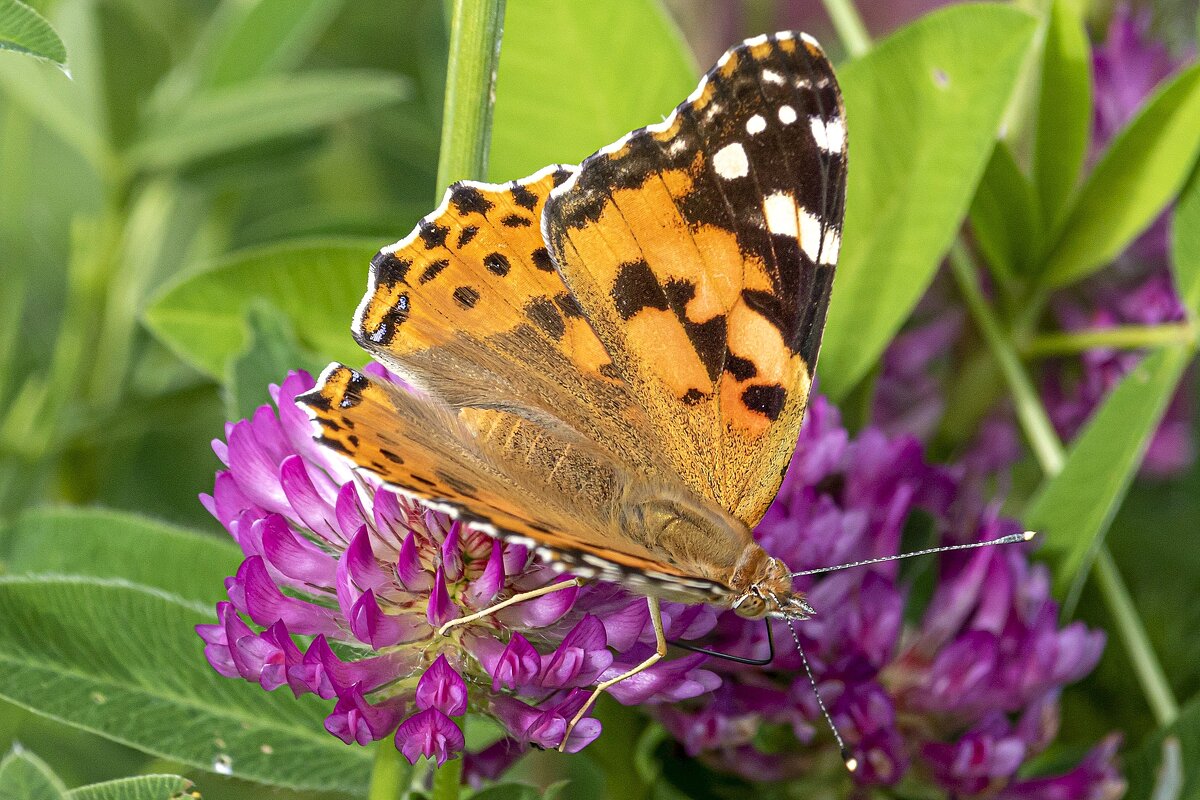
[516, 221]
[523, 197]
[469, 200]
[766, 400]
[466, 235]
[432, 234]
[637, 288]
[545, 315]
[542, 260]
[497, 264]
[466, 296]
[568, 305]
[433, 270]
[693, 396]
[388, 268]
[740, 368]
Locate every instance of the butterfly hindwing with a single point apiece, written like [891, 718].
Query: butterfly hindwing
[471, 308]
[702, 252]
[498, 471]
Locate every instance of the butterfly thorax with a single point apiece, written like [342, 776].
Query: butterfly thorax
[711, 543]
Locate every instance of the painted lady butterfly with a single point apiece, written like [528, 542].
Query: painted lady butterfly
[614, 360]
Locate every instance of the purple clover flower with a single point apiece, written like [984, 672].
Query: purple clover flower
[345, 585]
[960, 698]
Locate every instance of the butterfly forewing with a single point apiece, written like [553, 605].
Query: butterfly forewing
[702, 252]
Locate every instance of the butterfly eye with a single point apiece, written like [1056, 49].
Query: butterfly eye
[751, 606]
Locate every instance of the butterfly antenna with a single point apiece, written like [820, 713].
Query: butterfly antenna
[850, 761]
[1011, 539]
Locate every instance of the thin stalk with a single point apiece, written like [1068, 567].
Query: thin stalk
[389, 773]
[849, 26]
[1049, 451]
[1034, 420]
[1137, 644]
[1122, 337]
[476, 27]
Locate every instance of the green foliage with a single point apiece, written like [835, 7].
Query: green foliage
[1144, 167]
[143, 787]
[24, 776]
[315, 285]
[23, 30]
[1150, 766]
[124, 661]
[923, 109]
[559, 95]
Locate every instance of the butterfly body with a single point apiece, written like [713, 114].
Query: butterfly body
[610, 362]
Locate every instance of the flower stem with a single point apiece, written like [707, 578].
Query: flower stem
[1034, 420]
[1049, 451]
[1122, 337]
[1137, 644]
[849, 26]
[476, 27]
[447, 780]
[389, 774]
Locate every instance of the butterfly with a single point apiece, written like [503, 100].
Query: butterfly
[611, 362]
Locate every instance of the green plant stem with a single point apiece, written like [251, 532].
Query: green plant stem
[1122, 337]
[1034, 419]
[476, 27]
[389, 774]
[1137, 644]
[1048, 450]
[447, 780]
[849, 26]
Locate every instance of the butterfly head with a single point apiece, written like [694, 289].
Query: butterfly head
[766, 588]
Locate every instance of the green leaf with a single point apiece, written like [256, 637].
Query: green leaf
[1005, 215]
[143, 787]
[1064, 114]
[1142, 170]
[1185, 244]
[24, 776]
[316, 285]
[253, 39]
[272, 351]
[1074, 509]
[112, 544]
[575, 76]
[1145, 766]
[23, 30]
[125, 662]
[261, 110]
[923, 109]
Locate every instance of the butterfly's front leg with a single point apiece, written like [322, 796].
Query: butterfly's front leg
[660, 650]
[512, 601]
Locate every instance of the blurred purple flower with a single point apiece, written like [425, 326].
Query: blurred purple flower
[962, 696]
[347, 583]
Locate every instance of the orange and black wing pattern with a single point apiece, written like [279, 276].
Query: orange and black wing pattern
[702, 252]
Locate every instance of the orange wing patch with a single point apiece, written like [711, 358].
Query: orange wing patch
[702, 251]
[471, 307]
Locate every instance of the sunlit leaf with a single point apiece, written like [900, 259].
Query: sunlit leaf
[24, 776]
[575, 76]
[923, 110]
[23, 30]
[143, 787]
[126, 663]
[1005, 216]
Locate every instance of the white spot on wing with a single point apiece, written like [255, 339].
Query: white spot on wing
[830, 246]
[787, 115]
[756, 124]
[780, 212]
[810, 234]
[677, 147]
[730, 162]
[829, 136]
[771, 76]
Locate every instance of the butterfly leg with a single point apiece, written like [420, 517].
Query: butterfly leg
[660, 650]
[512, 601]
